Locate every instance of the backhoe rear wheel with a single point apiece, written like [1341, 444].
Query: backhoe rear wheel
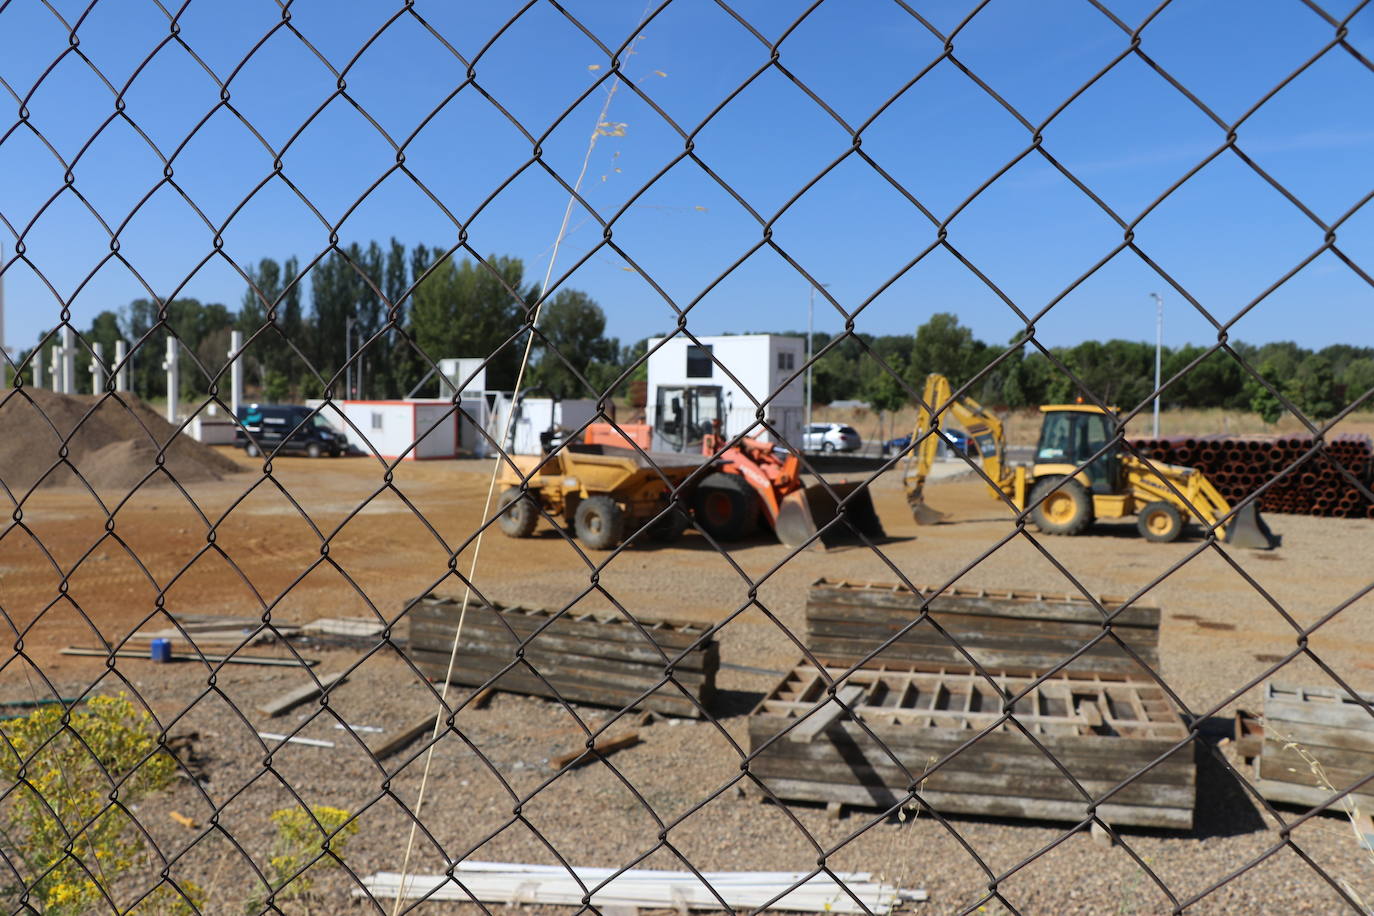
[599, 522]
[725, 506]
[518, 514]
[1160, 521]
[1066, 508]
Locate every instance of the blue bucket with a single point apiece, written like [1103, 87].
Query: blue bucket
[161, 650]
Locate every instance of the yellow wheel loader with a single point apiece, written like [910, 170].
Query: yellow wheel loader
[1066, 485]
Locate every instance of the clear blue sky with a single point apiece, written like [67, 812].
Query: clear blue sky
[1225, 236]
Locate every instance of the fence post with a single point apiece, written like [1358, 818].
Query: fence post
[36, 364]
[98, 377]
[55, 368]
[68, 360]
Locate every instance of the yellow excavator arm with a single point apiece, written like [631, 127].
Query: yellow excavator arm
[982, 427]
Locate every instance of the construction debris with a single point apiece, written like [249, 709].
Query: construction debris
[265, 660]
[420, 725]
[1318, 741]
[292, 699]
[602, 659]
[344, 626]
[506, 883]
[295, 739]
[183, 820]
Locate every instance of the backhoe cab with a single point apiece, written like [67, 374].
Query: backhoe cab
[1081, 473]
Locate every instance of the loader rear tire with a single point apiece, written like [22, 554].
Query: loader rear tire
[669, 528]
[1066, 508]
[725, 506]
[599, 522]
[1160, 521]
[518, 514]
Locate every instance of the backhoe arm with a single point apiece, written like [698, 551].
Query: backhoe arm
[981, 425]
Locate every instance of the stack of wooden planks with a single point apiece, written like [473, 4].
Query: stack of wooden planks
[1103, 729]
[601, 659]
[1102, 718]
[1324, 726]
[846, 622]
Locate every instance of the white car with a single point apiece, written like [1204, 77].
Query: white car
[831, 437]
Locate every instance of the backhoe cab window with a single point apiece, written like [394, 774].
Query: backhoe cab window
[1072, 436]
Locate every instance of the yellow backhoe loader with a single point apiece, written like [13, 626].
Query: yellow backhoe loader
[1067, 489]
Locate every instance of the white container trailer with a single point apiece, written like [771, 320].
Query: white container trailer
[726, 378]
[391, 428]
[535, 419]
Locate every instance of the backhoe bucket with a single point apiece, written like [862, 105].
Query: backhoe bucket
[804, 512]
[1247, 529]
[924, 515]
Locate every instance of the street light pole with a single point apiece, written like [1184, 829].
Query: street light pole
[1159, 346]
[810, 333]
[348, 355]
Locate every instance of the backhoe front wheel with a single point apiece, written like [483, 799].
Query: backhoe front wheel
[599, 522]
[1066, 506]
[1160, 521]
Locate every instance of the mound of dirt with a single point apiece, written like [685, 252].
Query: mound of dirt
[113, 443]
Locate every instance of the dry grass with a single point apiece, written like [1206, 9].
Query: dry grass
[1023, 425]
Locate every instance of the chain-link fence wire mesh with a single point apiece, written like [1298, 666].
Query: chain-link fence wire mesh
[245, 827]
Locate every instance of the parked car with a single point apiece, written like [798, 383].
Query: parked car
[959, 443]
[831, 437]
[287, 428]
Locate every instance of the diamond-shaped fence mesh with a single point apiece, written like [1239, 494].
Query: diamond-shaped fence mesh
[648, 634]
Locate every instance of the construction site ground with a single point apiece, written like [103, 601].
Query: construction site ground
[1218, 633]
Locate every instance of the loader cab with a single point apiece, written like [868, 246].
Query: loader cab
[684, 415]
[1070, 434]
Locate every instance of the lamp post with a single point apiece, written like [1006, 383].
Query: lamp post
[810, 332]
[1159, 346]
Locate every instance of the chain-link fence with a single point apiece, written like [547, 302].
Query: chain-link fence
[647, 614]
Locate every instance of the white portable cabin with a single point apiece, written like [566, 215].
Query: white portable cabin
[392, 427]
[536, 416]
[689, 388]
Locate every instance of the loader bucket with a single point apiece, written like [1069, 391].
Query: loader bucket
[804, 512]
[1247, 529]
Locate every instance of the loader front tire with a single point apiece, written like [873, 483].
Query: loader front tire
[599, 522]
[1066, 508]
[1160, 521]
[725, 506]
[518, 514]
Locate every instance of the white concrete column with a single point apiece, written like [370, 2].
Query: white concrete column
[68, 360]
[36, 365]
[235, 372]
[122, 373]
[173, 379]
[97, 368]
[55, 368]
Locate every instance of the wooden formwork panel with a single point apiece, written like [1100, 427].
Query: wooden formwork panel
[1317, 741]
[1102, 730]
[848, 622]
[603, 659]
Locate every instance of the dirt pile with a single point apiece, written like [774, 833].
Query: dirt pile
[114, 446]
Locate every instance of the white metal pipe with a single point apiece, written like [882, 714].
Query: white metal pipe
[122, 373]
[235, 372]
[98, 376]
[172, 366]
[1159, 346]
[36, 364]
[55, 368]
[68, 360]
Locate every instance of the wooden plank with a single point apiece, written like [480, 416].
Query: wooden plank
[987, 805]
[293, 698]
[970, 626]
[985, 601]
[498, 640]
[1311, 735]
[1296, 770]
[607, 626]
[1293, 794]
[1337, 715]
[603, 746]
[851, 651]
[819, 721]
[264, 660]
[386, 745]
[553, 666]
[953, 778]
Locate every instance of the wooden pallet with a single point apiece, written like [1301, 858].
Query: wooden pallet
[1322, 724]
[1102, 728]
[1006, 630]
[601, 659]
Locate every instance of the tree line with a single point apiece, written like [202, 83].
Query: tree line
[391, 305]
[393, 308]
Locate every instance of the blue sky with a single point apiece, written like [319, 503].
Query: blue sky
[1225, 236]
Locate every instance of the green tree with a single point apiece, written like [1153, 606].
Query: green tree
[469, 309]
[572, 342]
[943, 345]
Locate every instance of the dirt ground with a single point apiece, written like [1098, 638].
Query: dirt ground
[332, 538]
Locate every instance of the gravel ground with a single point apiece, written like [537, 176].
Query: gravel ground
[1218, 634]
